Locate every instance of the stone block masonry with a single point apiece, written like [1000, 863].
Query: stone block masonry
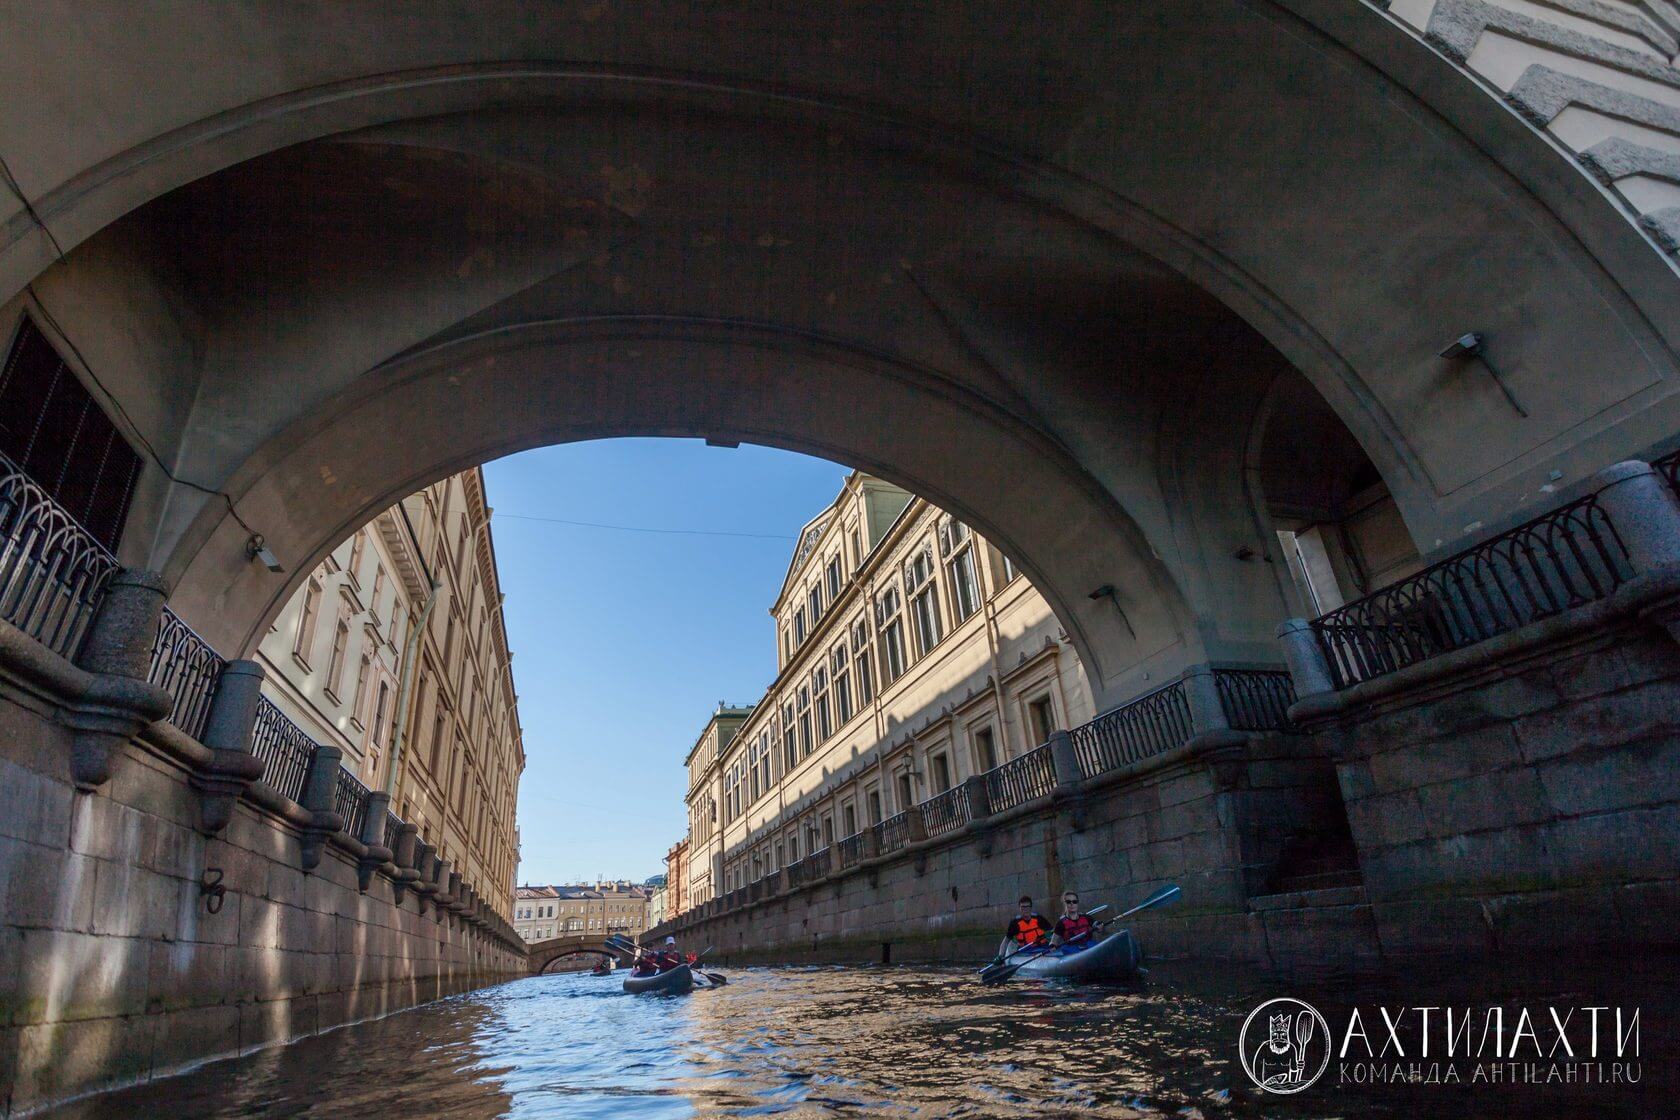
[134, 944]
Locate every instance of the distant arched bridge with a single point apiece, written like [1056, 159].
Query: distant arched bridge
[543, 954]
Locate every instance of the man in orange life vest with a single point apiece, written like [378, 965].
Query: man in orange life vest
[1028, 927]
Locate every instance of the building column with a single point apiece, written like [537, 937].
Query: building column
[1309, 669]
[319, 785]
[1065, 761]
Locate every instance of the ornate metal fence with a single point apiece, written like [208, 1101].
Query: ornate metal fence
[1255, 699]
[817, 863]
[849, 850]
[284, 749]
[393, 823]
[185, 665]
[892, 833]
[1566, 558]
[945, 811]
[1021, 779]
[350, 802]
[52, 571]
[1155, 722]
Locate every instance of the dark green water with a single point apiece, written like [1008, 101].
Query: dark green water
[846, 1042]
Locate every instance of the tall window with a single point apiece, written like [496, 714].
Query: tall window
[353, 568]
[53, 431]
[841, 670]
[363, 669]
[849, 816]
[790, 748]
[906, 797]
[940, 765]
[798, 626]
[804, 721]
[857, 552]
[764, 742]
[378, 589]
[956, 545]
[889, 620]
[814, 602]
[831, 578]
[875, 806]
[864, 666]
[440, 725]
[754, 790]
[335, 663]
[303, 643]
[985, 750]
[819, 685]
[1042, 719]
[1010, 571]
[924, 607]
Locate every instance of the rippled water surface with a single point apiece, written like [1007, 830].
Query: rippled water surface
[817, 1042]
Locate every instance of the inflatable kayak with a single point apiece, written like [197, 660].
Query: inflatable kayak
[1114, 957]
[674, 980]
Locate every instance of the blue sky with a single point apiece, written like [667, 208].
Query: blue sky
[624, 642]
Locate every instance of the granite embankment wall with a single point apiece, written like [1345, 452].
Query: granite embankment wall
[155, 910]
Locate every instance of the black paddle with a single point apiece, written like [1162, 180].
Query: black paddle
[1000, 970]
[716, 978]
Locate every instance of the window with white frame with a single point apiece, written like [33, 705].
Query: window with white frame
[819, 689]
[303, 643]
[984, 741]
[889, 621]
[790, 745]
[939, 766]
[862, 664]
[804, 721]
[840, 669]
[924, 606]
[814, 602]
[798, 626]
[873, 798]
[831, 577]
[956, 545]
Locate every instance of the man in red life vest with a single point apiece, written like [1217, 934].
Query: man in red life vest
[1073, 926]
[1027, 927]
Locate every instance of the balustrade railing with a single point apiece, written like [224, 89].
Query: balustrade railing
[1255, 699]
[1020, 779]
[945, 811]
[1566, 558]
[284, 749]
[817, 864]
[184, 664]
[892, 833]
[393, 824]
[52, 571]
[1155, 722]
[849, 850]
[350, 798]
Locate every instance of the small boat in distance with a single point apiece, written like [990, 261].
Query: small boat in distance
[603, 967]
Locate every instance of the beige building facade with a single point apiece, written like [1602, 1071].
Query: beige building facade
[911, 655]
[607, 907]
[395, 651]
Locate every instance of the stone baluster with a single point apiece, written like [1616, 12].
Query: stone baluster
[445, 881]
[405, 856]
[319, 786]
[1065, 761]
[373, 839]
[456, 900]
[227, 732]
[915, 828]
[1645, 513]
[1201, 694]
[118, 651]
[1309, 669]
[425, 885]
[979, 796]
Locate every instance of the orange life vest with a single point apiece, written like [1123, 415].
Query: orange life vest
[1030, 931]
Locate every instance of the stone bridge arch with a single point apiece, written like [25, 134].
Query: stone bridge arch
[542, 955]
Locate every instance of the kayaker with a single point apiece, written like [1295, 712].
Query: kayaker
[1072, 926]
[1028, 927]
[669, 957]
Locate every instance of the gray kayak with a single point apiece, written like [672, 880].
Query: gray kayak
[1113, 957]
[676, 981]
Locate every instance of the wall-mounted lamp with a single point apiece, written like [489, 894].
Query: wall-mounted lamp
[256, 550]
[1474, 346]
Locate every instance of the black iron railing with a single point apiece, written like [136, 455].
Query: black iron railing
[393, 824]
[1255, 699]
[284, 749]
[945, 811]
[893, 833]
[1020, 779]
[185, 665]
[1155, 722]
[817, 864]
[350, 798]
[52, 571]
[849, 850]
[1566, 558]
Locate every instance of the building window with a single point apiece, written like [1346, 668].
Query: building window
[863, 666]
[804, 721]
[841, 670]
[798, 626]
[940, 766]
[889, 620]
[1041, 718]
[831, 578]
[875, 806]
[1010, 571]
[814, 603]
[363, 668]
[353, 569]
[303, 643]
[378, 591]
[335, 663]
[906, 797]
[764, 743]
[819, 685]
[956, 544]
[924, 608]
[848, 816]
[985, 750]
[790, 748]
[53, 431]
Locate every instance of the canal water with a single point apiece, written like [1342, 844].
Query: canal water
[844, 1042]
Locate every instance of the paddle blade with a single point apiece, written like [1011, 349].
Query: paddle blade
[1164, 895]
